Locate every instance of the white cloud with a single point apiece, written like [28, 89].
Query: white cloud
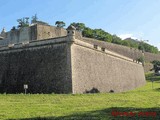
[124, 36]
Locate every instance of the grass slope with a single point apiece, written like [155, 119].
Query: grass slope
[83, 106]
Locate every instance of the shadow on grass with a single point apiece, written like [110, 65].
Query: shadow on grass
[108, 114]
[157, 89]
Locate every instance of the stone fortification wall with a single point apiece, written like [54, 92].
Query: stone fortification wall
[46, 31]
[128, 52]
[122, 50]
[148, 67]
[21, 35]
[102, 70]
[44, 67]
[78, 35]
[149, 57]
[65, 64]
[3, 42]
[34, 32]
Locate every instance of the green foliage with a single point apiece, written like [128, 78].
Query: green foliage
[105, 36]
[116, 39]
[98, 34]
[34, 19]
[81, 106]
[23, 22]
[125, 43]
[60, 24]
[156, 62]
[79, 26]
[156, 65]
[88, 32]
[132, 43]
[141, 59]
[149, 48]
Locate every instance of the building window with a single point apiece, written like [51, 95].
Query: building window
[95, 46]
[103, 49]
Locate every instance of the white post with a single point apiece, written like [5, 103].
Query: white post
[25, 88]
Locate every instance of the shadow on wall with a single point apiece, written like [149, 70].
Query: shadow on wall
[108, 114]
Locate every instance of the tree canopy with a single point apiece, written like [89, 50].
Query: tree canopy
[79, 26]
[102, 35]
[23, 22]
[60, 24]
[156, 65]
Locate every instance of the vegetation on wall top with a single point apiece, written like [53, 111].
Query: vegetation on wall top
[98, 34]
[102, 35]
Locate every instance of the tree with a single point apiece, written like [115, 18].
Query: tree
[60, 24]
[79, 26]
[147, 47]
[116, 39]
[132, 42]
[102, 35]
[125, 43]
[23, 22]
[34, 19]
[156, 65]
[141, 59]
[88, 32]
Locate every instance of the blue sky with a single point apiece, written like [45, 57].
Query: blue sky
[125, 18]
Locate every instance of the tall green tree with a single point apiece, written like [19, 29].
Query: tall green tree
[60, 24]
[79, 26]
[156, 65]
[34, 19]
[102, 35]
[125, 43]
[23, 22]
[88, 32]
[116, 39]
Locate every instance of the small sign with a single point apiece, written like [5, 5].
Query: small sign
[25, 86]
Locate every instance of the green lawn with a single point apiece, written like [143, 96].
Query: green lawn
[83, 106]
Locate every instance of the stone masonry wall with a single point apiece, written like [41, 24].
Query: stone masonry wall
[95, 69]
[128, 52]
[34, 32]
[45, 32]
[122, 50]
[46, 69]
[149, 57]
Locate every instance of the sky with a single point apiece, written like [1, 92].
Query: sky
[139, 19]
